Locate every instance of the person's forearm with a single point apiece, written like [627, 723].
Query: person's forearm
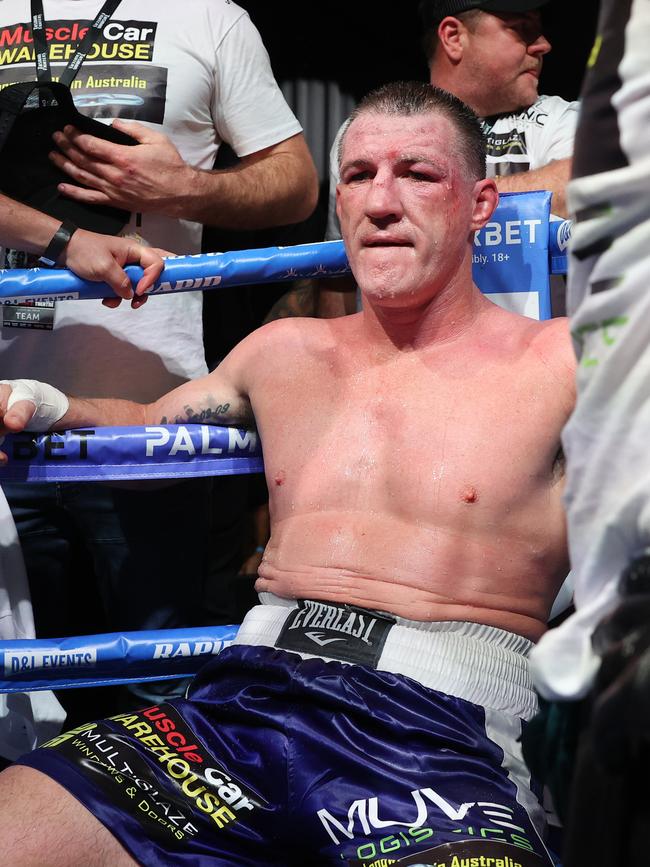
[553, 177]
[90, 255]
[106, 412]
[208, 400]
[24, 228]
[278, 189]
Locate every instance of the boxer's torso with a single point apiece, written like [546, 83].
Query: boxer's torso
[421, 482]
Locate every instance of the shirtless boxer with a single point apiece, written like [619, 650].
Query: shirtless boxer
[411, 454]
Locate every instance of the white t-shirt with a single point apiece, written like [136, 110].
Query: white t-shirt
[199, 72]
[32, 717]
[531, 138]
[518, 142]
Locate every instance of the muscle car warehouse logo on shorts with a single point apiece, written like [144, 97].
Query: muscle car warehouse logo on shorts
[151, 765]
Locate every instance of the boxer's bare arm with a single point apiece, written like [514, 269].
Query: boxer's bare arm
[555, 350]
[40, 816]
[210, 400]
[214, 399]
[219, 398]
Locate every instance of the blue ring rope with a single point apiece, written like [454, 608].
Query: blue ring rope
[110, 658]
[212, 270]
[187, 273]
[118, 453]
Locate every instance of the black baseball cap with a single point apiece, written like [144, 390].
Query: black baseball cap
[433, 11]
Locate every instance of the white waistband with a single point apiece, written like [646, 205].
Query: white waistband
[478, 663]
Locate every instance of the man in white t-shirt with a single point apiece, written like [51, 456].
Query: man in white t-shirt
[489, 53]
[180, 79]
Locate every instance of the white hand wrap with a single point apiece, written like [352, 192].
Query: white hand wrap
[51, 404]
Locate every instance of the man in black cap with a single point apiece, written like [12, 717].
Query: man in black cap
[489, 53]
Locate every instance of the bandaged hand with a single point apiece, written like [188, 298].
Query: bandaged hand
[26, 404]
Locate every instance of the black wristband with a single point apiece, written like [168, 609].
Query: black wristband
[58, 243]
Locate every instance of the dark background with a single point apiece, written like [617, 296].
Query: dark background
[364, 44]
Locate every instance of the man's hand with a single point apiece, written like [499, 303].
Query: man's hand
[25, 402]
[274, 186]
[13, 415]
[29, 404]
[146, 177]
[102, 257]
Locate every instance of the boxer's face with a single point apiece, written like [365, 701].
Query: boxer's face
[406, 203]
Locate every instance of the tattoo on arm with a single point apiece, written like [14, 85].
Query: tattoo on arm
[210, 411]
[209, 414]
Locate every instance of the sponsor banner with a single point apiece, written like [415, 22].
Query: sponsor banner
[559, 237]
[119, 771]
[129, 657]
[29, 314]
[152, 766]
[376, 833]
[102, 92]
[511, 254]
[102, 88]
[39, 299]
[119, 41]
[465, 853]
[114, 453]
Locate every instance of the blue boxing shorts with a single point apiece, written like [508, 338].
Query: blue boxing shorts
[399, 746]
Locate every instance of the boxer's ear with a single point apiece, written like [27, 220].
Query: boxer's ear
[486, 199]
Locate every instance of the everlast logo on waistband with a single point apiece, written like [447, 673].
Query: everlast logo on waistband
[337, 631]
